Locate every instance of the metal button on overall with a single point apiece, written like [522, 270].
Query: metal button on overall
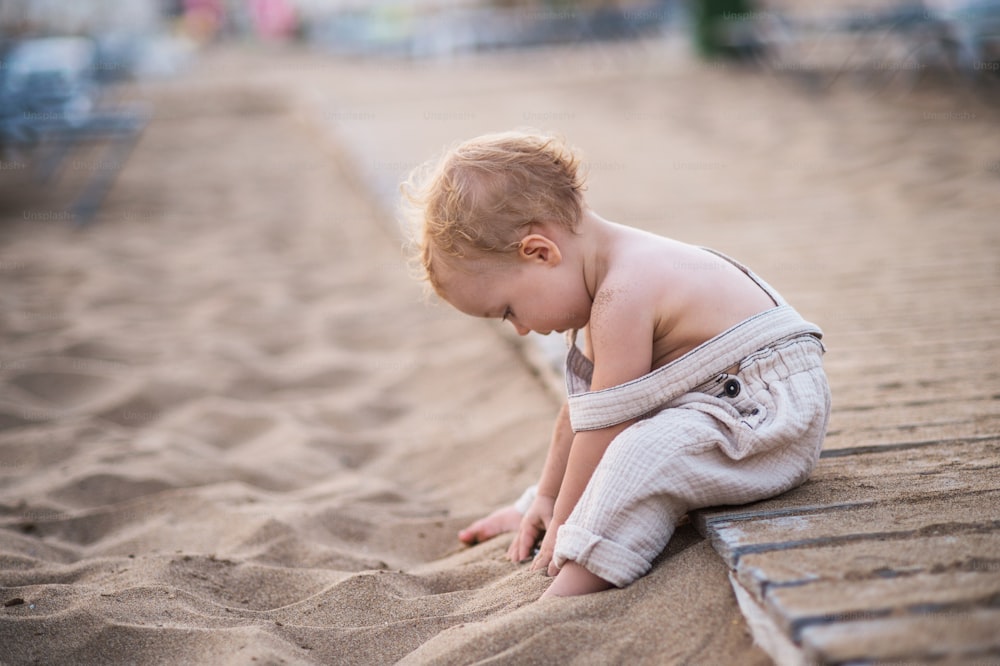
[732, 388]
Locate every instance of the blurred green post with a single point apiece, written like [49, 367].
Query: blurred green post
[712, 21]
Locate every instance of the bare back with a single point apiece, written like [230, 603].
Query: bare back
[694, 294]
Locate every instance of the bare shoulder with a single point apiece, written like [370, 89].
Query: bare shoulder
[659, 299]
[623, 319]
[646, 271]
[681, 295]
[701, 294]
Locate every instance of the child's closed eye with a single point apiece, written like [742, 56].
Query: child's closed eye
[507, 313]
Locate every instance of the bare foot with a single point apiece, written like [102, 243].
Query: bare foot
[502, 520]
[573, 580]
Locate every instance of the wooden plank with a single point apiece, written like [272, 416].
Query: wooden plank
[765, 630]
[851, 493]
[914, 414]
[973, 451]
[863, 336]
[863, 474]
[952, 637]
[875, 435]
[920, 349]
[866, 560]
[831, 525]
[884, 364]
[827, 602]
[862, 390]
[866, 477]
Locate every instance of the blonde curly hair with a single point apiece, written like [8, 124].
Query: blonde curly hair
[482, 196]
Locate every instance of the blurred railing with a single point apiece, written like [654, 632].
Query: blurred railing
[52, 101]
[891, 46]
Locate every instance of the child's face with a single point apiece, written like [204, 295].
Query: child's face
[531, 296]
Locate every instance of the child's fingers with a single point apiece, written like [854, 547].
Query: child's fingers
[545, 551]
[523, 551]
[513, 548]
[541, 561]
[526, 538]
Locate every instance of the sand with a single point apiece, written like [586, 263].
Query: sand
[233, 430]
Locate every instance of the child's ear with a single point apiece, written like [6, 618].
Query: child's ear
[539, 248]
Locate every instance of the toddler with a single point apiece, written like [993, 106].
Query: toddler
[696, 384]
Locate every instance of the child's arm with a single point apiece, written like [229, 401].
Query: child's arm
[587, 449]
[620, 338]
[537, 518]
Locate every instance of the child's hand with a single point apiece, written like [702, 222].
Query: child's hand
[535, 521]
[543, 560]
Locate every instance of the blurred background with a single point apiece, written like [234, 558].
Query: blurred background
[696, 117]
[65, 67]
[210, 342]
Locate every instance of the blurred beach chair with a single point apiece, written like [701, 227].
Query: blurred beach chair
[956, 39]
[974, 30]
[51, 102]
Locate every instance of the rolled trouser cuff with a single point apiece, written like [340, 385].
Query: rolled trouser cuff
[602, 557]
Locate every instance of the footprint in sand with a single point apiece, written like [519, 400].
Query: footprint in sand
[84, 379]
[362, 417]
[96, 489]
[260, 383]
[63, 388]
[222, 423]
[46, 388]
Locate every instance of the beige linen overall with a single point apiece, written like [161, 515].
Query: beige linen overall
[704, 437]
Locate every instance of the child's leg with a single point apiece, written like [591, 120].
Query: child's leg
[631, 505]
[679, 460]
[736, 439]
[502, 520]
[573, 580]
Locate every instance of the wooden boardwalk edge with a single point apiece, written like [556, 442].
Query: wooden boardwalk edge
[888, 555]
[764, 630]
